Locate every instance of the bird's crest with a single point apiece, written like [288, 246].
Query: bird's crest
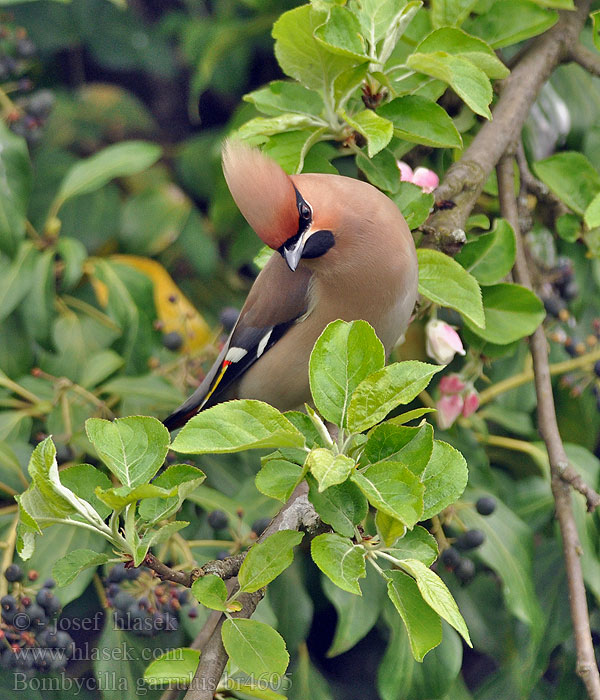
[263, 192]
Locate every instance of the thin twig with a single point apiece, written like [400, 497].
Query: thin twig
[559, 464]
[464, 181]
[590, 60]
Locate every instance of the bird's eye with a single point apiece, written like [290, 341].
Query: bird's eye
[304, 210]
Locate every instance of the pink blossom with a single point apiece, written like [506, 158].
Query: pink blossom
[406, 172]
[471, 402]
[426, 179]
[449, 408]
[443, 342]
[452, 384]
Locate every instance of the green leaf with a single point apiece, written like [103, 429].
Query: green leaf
[266, 560]
[411, 446]
[278, 478]
[382, 391]
[510, 21]
[176, 666]
[68, 567]
[511, 312]
[98, 367]
[281, 96]
[377, 130]
[16, 278]
[356, 614]
[133, 448]
[83, 480]
[436, 595]
[263, 126]
[383, 19]
[445, 478]
[419, 120]
[184, 478]
[414, 204]
[291, 148]
[234, 426]
[304, 58]
[416, 544]
[120, 160]
[328, 469]
[154, 537]
[119, 497]
[389, 529]
[394, 489]
[468, 81]
[210, 591]
[450, 12]
[409, 415]
[459, 43]
[255, 647]
[343, 356]
[339, 560]
[422, 623]
[381, 171]
[568, 227]
[41, 298]
[342, 506]
[572, 178]
[15, 188]
[592, 213]
[490, 256]
[596, 28]
[340, 34]
[445, 282]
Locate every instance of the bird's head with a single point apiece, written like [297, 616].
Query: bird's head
[273, 204]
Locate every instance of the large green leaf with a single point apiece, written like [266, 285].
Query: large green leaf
[386, 389]
[16, 278]
[327, 468]
[447, 283]
[280, 96]
[234, 426]
[490, 256]
[133, 448]
[255, 647]
[278, 478]
[175, 666]
[411, 446]
[445, 478]
[420, 120]
[394, 489]
[344, 355]
[340, 560]
[15, 188]
[342, 506]
[120, 160]
[572, 178]
[66, 569]
[377, 130]
[267, 559]
[450, 12]
[182, 477]
[511, 312]
[340, 34]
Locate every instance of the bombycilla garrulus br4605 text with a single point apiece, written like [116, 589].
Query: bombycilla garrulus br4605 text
[344, 252]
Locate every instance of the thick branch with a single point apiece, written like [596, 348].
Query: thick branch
[559, 464]
[464, 181]
[297, 514]
[586, 58]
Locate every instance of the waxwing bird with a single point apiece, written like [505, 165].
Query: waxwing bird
[344, 252]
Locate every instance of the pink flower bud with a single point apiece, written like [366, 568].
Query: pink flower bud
[443, 342]
[451, 384]
[471, 403]
[426, 179]
[449, 409]
[406, 172]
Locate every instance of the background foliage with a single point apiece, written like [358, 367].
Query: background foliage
[121, 250]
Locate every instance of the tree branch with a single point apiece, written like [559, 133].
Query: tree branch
[297, 514]
[464, 180]
[559, 463]
[586, 58]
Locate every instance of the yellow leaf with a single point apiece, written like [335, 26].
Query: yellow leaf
[173, 308]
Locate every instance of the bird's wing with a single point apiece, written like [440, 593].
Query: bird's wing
[277, 299]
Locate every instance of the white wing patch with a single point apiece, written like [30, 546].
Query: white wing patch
[235, 354]
[263, 344]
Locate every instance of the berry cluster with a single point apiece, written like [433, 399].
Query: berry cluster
[453, 558]
[26, 111]
[29, 638]
[142, 603]
[560, 289]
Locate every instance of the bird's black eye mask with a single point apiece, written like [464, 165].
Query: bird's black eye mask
[318, 243]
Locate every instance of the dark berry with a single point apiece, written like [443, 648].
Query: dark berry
[597, 369]
[260, 525]
[470, 539]
[8, 616]
[182, 596]
[8, 602]
[113, 589]
[13, 573]
[49, 583]
[65, 642]
[450, 557]
[132, 574]
[228, 318]
[40, 103]
[59, 661]
[486, 505]
[37, 616]
[465, 571]
[218, 520]
[172, 341]
[8, 659]
[117, 573]
[570, 291]
[123, 600]
[553, 305]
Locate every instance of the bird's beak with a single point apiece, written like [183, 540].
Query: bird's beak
[292, 252]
